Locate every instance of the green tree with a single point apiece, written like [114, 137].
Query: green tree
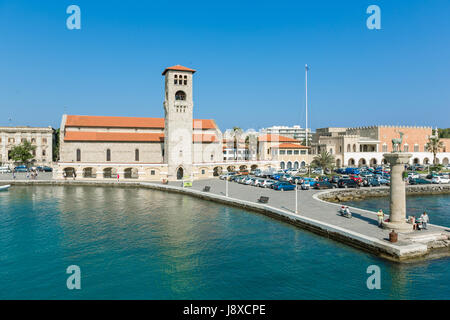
[324, 160]
[444, 133]
[23, 152]
[434, 145]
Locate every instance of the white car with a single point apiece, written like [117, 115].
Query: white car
[267, 183]
[306, 186]
[5, 170]
[440, 179]
[413, 175]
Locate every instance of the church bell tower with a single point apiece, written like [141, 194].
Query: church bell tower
[178, 121]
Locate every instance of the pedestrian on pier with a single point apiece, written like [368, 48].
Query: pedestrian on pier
[380, 215]
[425, 219]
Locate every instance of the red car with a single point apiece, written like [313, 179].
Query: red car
[357, 179]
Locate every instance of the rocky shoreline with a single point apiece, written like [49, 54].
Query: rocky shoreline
[343, 195]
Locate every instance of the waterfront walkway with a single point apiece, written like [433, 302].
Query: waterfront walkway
[313, 214]
[362, 227]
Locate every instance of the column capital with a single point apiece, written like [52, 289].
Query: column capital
[397, 157]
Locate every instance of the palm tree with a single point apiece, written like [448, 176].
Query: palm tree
[324, 160]
[434, 145]
[236, 137]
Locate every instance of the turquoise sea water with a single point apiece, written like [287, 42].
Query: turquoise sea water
[143, 244]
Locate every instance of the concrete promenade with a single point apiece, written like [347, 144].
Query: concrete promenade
[322, 217]
[314, 214]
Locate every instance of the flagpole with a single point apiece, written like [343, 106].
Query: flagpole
[306, 104]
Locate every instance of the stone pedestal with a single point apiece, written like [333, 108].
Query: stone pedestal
[397, 218]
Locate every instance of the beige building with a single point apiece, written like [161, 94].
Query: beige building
[287, 152]
[365, 146]
[174, 147]
[41, 138]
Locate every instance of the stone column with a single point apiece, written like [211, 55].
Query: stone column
[397, 218]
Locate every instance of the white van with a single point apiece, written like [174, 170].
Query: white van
[5, 170]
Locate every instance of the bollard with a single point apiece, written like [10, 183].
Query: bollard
[393, 236]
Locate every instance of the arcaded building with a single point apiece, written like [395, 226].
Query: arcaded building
[363, 146]
[174, 147]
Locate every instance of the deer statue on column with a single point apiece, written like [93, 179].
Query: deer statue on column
[397, 143]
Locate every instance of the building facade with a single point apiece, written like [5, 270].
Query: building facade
[175, 147]
[41, 138]
[296, 132]
[365, 146]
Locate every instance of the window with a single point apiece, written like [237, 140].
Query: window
[185, 80]
[180, 95]
[203, 171]
[212, 157]
[349, 148]
[416, 148]
[33, 140]
[43, 153]
[289, 152]
[11, 140]
[303, 152]
[296, 151]
[44, 140]
[23, 140]
[282, 152]
[405, 148]
[175, 80]
[108, 155]
[385, 147]
[78, 155]
[152, 172]
[136, 155]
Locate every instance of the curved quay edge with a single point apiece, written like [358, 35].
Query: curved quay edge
[406, 253]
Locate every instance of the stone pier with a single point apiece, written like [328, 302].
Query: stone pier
[397, 218]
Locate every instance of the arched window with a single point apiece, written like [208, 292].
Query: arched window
[331, 151]
[108, 155]
[354, 148]
[136, 155]
[180, 95]
[349, 148]
[175, 80]
[185, 80]
[282, 165]
[78, 155]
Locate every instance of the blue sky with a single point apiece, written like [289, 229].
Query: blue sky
[250, 57]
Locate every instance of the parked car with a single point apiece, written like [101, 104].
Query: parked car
[419, 181]
[267, 184]
[352, 171]
[347, 183]
[21, 169]
[440, 179]
[305, 186]
[357, 179]
[283, 186]
[5, 170]
[323, 185]
[413, 175]
[44, 169]
[371, 182]
[244, 172]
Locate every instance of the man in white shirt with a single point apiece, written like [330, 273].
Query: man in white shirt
[425, 219]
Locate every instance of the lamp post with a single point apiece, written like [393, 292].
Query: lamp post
[296, 198]
[226, 187]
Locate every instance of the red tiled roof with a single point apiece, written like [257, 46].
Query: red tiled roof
[113, 136]
[276, 138]
[129, 122]
[129, 137]
[290, 146]
[178, 68]
[204, 138]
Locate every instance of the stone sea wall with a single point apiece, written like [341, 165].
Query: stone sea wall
[342, 195]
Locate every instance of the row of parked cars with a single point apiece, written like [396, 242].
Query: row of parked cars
[23, 168]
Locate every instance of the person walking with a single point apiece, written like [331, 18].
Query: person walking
[380, 215]
[118, 177]
[425, 219]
